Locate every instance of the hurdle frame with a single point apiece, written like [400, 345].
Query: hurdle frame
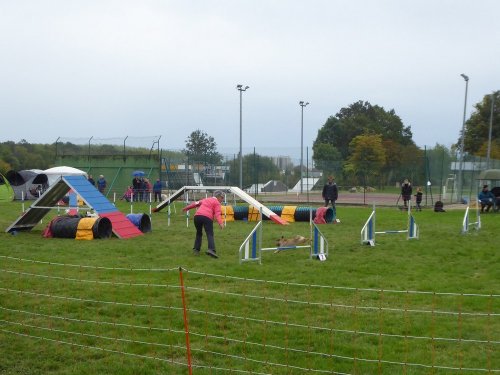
[251, 249]
[368, 231]
[466, 223]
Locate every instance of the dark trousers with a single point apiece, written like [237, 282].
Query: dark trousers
[200, 223]
[329, 200]
[487, 205]
[406, 199]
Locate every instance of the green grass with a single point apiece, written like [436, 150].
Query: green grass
[106, 308]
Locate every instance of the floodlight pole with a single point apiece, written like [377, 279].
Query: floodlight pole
[302, 105]
[240, 88]
[461, 162]
[489, 132]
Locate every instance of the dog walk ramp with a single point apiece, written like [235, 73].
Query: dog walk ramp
[232, 189]
[170, 199]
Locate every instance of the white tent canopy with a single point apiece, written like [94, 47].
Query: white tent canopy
[55, 173]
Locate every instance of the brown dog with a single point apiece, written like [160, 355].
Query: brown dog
[290, 242]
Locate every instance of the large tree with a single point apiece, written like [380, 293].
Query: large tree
[362, 118]
[478, 125]
[327, 158]
[200, 147]
[256, 169]
[367, 157]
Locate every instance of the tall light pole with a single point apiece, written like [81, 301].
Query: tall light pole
[302, 105]
[460, 166]
[240, 88]
[490, 130]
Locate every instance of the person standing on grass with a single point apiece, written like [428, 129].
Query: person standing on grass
[157, 190]
[101, 184]
[208, 209]
[330, 192]
[418, 198]
[406, 191]
[148, 188]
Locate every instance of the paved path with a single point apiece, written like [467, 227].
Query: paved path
[347, 199]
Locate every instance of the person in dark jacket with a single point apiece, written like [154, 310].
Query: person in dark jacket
[406, 191]
[157, 190]
[418, 198]
[136, 186]
[101, 184]
[486, 199]
[330, 192]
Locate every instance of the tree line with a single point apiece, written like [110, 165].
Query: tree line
[361, 144]
[364, 143]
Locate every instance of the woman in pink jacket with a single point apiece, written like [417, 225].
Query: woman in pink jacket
[208, 210]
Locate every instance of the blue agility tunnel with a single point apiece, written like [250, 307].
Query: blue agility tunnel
[141, 221]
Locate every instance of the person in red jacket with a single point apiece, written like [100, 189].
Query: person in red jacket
[208, 209]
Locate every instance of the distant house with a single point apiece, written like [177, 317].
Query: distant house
[307, 184]
[274, 186]
[254, 189]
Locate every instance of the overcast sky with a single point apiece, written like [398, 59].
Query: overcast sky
[112, 69]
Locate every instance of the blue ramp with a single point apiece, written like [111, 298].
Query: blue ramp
[122, 227]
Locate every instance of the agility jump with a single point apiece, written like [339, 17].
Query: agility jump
[466, 223]
[251, 249]
[368, 231]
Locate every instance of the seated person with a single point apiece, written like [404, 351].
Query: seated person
[496, 192]
[128, 194]
[486, 198]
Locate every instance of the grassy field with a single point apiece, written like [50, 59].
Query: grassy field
[115, 306]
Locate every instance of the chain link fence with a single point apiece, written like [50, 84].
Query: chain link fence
[438, 171]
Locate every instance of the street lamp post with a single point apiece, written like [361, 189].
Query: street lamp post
[460, 166]
[490, 130]
[240, 88]
[302, 105]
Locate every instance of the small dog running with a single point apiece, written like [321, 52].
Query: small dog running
[290, 242]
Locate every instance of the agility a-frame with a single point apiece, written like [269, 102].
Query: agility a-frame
[228, 189]
[121, 226]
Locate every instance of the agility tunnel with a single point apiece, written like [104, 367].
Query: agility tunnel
[289, 213]
[80, 228]
[141, 221]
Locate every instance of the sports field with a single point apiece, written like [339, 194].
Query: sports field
[426, 306]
